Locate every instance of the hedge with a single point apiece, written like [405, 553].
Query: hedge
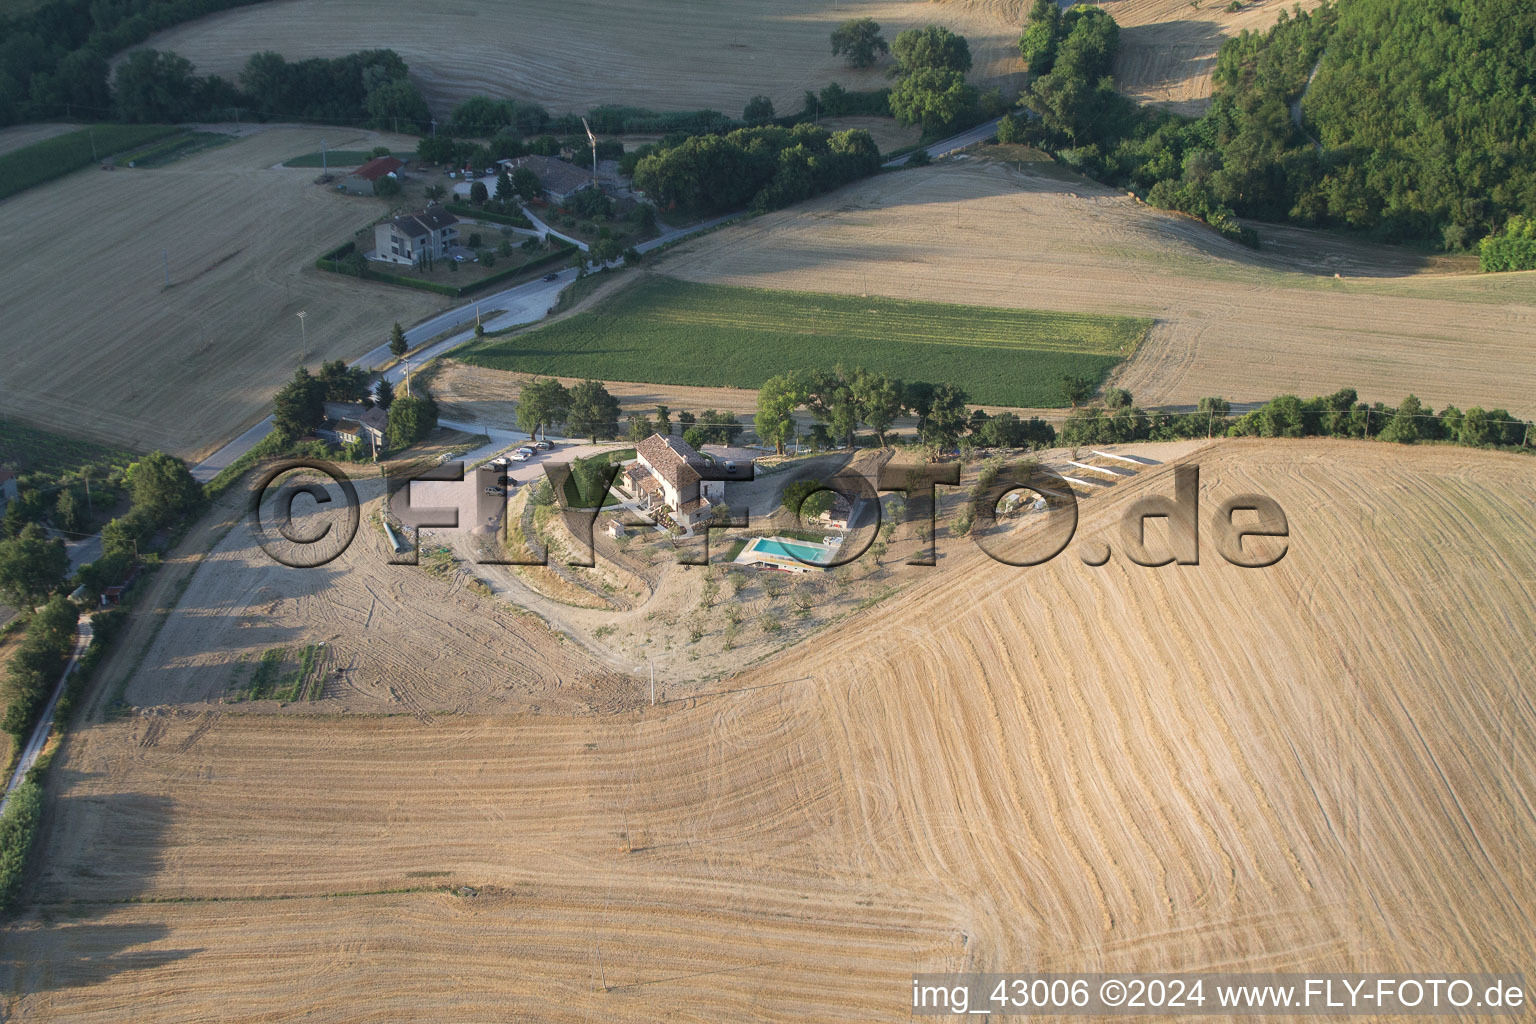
[17, 829]
[515, 220]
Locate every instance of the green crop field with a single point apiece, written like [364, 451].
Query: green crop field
[666, 331]
[29, 450]
[52, 158]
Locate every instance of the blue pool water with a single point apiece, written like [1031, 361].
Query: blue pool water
[786, 549]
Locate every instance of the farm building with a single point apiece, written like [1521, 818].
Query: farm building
[365, 179]
[410, 236]
[560, 179]
[667, 472]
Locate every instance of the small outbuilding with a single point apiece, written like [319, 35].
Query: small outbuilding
[365, 179]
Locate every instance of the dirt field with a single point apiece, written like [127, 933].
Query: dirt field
[96, 346]
[1324, 765]
[684, 55]
[1168, 47]
[1230, 321]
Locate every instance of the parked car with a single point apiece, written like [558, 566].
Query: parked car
[543, 445]
[550, 277]
[521, 455]
[730, 468]
[494, 490]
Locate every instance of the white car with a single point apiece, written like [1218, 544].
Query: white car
[543, 446]
[521, 456]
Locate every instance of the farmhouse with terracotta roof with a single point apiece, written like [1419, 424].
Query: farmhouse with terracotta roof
[667, 472]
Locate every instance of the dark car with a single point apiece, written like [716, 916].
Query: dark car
[550, 277]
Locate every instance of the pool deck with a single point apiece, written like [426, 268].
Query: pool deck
[750, 555]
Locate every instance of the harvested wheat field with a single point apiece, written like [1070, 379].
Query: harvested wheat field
[1324, 766]
[95, 345]
[1229, 321]
[571, 56]
[1168, 47]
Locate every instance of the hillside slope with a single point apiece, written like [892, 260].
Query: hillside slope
[1324, 765]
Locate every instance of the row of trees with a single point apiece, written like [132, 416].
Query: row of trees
[764, 168]
[1340, 414]
[841, 400]
[34, 570]
[369, 87]
[34, 668]
[587, 409]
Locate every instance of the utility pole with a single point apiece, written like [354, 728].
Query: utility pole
[653, 682]
[304, 333]
[601, 971]
[94, 157]
[325, 167]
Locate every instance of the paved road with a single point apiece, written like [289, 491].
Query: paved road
[81, 549]
[34, 747]
[944, 147]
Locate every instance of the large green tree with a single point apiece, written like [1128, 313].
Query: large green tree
[31, 567]
[162, 487]
[859, 40]
[935, 98]
[932, 47]
[878, 397]
[777, 401]
[299, 405]
[593, 412]
[543, 402]
[410, 420]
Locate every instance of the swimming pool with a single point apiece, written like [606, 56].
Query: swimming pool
[815, 554]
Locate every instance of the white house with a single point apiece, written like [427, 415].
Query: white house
[408, 237]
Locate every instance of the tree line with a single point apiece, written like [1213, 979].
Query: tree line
[763, 168]
[370, 87]
[1413, 120]
[840, 400]
[1340, 414]
[53, 54]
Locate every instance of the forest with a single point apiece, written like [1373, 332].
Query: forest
[1410, 121]
[53, 55]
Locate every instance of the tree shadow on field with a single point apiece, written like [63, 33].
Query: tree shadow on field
[92, 854]
[1181, 48]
